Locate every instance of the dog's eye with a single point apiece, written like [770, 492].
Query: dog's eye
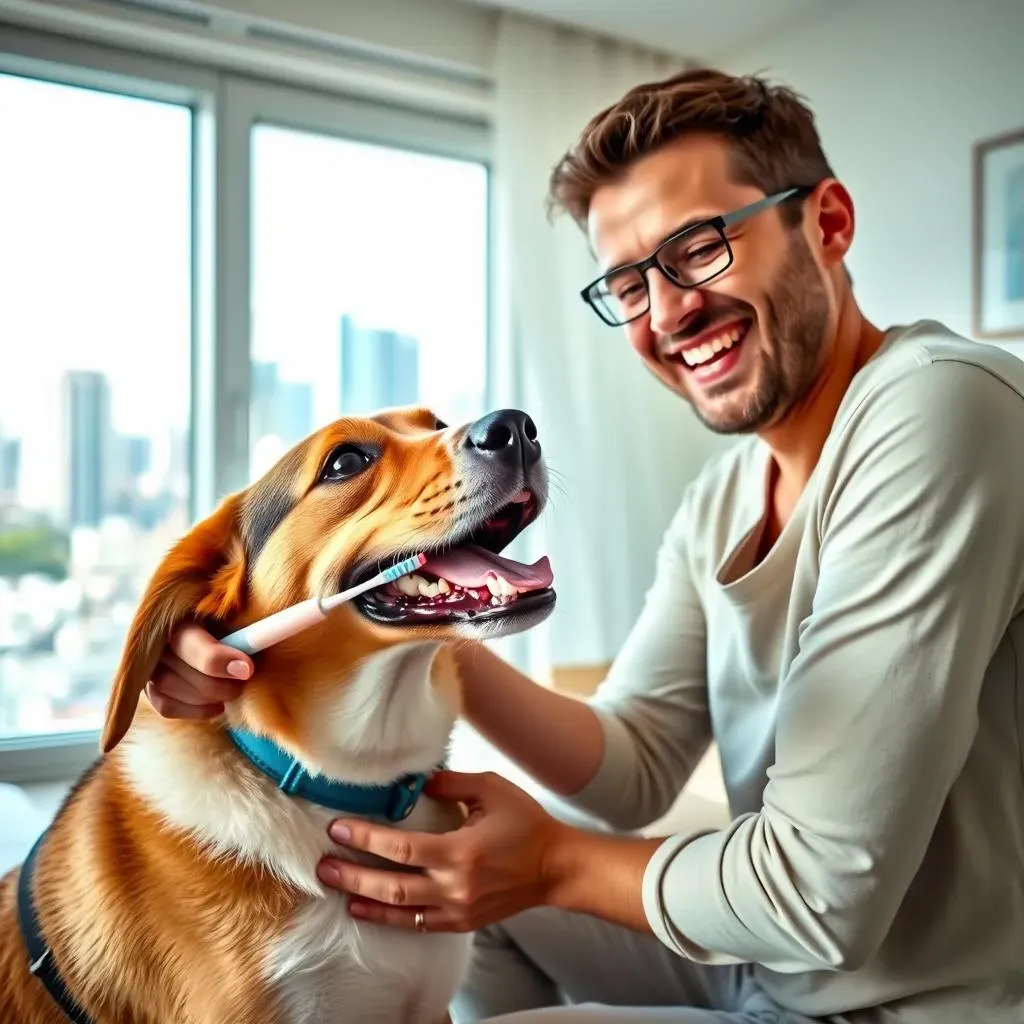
[440, 424]
[344, 462]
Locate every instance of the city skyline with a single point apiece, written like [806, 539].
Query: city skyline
[102, 471]
[96, 321]
[97, 265]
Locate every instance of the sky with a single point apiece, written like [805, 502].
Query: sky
[95, 260]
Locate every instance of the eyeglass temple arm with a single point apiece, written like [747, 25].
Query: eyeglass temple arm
[762, 204]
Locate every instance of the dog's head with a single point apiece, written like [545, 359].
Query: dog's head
[352, 499]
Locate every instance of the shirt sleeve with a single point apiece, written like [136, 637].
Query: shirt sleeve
[653, 703]
[921, 569]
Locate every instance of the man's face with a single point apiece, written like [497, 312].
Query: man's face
[768, 315]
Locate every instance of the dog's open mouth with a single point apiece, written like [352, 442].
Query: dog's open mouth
[467, 579]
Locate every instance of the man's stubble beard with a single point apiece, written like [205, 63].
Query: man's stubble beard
[798, 314]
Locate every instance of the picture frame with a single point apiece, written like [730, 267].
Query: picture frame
[998, 242]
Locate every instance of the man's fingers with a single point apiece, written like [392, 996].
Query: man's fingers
[434, 918]
[416, 849]
[198, 649]
[464, 787]
[396, 888]
[167, 681]
[186, 683]
[168, 707]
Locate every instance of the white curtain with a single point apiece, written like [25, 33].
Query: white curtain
[620, 446]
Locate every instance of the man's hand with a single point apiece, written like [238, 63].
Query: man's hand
[196, 675]
[509, 855]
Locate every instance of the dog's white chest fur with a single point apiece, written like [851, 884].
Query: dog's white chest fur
[325, 965]
[328, 966]
[331, 968]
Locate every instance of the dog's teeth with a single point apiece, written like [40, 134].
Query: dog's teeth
[409, 585]
[495, 600]
[500, 587]
[443, 587]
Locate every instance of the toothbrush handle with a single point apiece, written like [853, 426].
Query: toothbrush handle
[297, 617]
[274, 628]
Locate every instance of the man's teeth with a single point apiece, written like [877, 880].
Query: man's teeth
[702, 353]
[413, 585]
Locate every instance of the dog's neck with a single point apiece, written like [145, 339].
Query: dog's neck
[393, 715]
[389, 717]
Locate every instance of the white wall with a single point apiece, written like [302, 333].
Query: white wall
[901, 92]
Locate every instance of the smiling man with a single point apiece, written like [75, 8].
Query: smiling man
[837, 604]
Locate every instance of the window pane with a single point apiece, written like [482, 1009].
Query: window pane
[95, 386]
[369, 284]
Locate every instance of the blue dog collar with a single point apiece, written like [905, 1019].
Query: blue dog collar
[392, 802]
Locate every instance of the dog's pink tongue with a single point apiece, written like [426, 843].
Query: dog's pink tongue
[471, 565]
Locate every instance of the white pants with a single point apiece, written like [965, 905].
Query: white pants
[609, 975]
[549, 967]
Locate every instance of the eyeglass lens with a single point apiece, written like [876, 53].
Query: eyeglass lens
[687, 259]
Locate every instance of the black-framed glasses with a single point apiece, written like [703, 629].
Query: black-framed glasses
[690, 257]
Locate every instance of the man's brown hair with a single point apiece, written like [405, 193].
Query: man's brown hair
[770, 131]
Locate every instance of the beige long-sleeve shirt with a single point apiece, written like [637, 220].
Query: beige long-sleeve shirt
[863, 685]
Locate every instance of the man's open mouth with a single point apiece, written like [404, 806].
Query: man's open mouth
[714, 349]
[467, 578]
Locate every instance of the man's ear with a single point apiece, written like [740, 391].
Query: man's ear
[201, 578]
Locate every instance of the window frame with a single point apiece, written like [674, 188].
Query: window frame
[249, 102]
[226, 104]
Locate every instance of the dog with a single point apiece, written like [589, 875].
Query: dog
[177, 883]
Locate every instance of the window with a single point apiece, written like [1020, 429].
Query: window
[196, 270]
[369, 284]
[94, 398]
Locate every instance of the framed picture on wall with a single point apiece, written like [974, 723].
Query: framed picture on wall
[999, 236]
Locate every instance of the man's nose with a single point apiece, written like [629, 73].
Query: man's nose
[671, 306]
[507, 437]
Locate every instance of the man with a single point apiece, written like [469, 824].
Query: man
[836, 604]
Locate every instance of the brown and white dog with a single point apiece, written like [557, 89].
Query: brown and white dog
[177, 883]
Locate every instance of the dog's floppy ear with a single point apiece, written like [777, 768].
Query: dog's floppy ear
[201, 578]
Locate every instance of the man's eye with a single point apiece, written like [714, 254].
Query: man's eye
[704, 252]
[345, 462]
[629, 294]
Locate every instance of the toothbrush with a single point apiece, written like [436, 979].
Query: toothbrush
[289, 621]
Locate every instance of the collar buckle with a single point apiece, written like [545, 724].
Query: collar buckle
[404, 794]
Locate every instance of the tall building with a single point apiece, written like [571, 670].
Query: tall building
[279, 408]
[294, 410]
[136, 455]
[263, 388]
[379, 368]
[10, 469]
[179, 462]
[87, 440]
[129, 460]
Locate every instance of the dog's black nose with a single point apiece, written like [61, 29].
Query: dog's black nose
[507, 436]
